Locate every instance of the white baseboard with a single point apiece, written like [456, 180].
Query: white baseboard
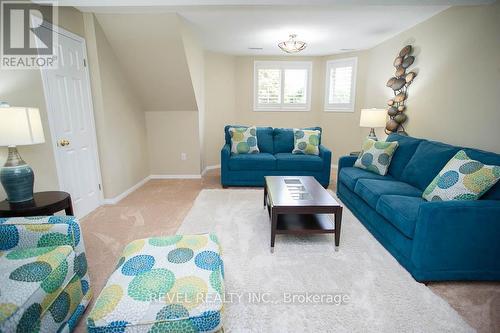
[210, 167]
[121, 196]
[175, 177]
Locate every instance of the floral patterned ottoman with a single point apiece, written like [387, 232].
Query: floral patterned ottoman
[163, 284]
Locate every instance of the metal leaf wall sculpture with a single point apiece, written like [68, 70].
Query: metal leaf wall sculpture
[399, 84]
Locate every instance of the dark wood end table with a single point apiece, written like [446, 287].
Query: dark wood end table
[300, 205]
[43, 203]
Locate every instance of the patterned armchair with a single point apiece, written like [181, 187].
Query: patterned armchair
[44, 284]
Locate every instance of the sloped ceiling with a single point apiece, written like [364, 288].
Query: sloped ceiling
[151, 52]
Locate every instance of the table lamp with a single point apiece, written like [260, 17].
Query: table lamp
[373, 118]
[19, 126]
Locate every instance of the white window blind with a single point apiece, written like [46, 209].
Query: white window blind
[340, 90]
[282, 85]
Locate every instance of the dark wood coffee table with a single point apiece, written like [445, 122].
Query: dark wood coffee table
[300, 205]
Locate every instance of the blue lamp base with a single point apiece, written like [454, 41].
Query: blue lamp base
[17, 178]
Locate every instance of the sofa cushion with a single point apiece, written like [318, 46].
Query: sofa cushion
[306, 141]
[489, 159]
[429, 158]
[376, 156]
[370, 190]
[284, 139]
[350, 175]
[401, 211]
[264, 138]
[462, 178]
[244, 140]
[297, 162]
[32, 280]
[262, 161]
[163, 284]
[406, 148]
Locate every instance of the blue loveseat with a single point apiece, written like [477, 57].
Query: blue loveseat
[447, 240]
[275, 159]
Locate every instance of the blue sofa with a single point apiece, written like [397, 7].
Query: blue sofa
[447, 240]
[275, 159]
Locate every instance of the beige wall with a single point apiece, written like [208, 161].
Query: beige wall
[341, 131]
[229, 100]
[120, 120]
[196, 62]
[24, 88]
[454, 99]
[219, 102]
[152, 55]
[171, 133]
[456, 96]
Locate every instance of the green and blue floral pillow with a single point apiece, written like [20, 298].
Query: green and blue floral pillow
[462, 179]
[306, 141]
[244, 140]
[376, 156]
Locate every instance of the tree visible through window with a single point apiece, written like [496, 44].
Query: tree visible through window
[269, 86]
[282, 86]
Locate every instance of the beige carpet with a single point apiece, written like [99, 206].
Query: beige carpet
[160, 206]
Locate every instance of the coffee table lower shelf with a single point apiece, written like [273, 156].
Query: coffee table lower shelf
[304, 224]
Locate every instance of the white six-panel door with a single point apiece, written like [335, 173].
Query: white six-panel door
[69, 107]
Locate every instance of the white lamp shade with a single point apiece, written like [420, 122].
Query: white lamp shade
[373, 118]
[20, 126]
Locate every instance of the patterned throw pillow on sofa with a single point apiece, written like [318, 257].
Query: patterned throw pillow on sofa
[306, 141]
[462, 179]
[244, 140]
[376, 156]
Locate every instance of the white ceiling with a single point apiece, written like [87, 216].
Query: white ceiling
[328, 26]
[326, 30]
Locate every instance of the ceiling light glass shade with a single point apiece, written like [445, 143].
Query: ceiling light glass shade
[292, 45]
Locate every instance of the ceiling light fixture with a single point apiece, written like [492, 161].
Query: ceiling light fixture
[292, 45]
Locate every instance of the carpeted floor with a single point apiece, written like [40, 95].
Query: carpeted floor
[374, 293]
[160, 206]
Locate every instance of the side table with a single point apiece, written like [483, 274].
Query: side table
[354, 153]
[43, 203]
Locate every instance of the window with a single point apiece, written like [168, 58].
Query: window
[282, 85]
[340, 85]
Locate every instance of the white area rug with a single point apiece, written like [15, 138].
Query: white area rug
[383, 297]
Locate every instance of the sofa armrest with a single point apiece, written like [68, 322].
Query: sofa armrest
[22, 232]
[347, 161]
[225, 154]
[326, 156]
[457, 235]
[40, 231]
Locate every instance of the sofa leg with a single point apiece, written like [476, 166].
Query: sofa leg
[225, 186]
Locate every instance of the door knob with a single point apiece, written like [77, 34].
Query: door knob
[64, 142]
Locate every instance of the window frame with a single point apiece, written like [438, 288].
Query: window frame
[282, 65]
[340, 107]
